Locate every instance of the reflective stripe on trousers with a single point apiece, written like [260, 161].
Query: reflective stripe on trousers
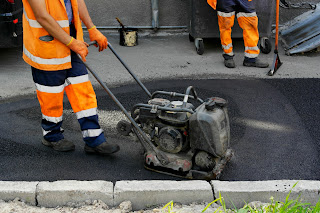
[248, 21]
[51, 86]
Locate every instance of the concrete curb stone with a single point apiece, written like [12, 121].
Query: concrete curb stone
[238, 193]
[144, 194]
[61, 193]
[26, 191]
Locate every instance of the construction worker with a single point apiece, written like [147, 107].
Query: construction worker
[52, 38]
[248, 21]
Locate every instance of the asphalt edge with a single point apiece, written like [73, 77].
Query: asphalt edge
[145, 194]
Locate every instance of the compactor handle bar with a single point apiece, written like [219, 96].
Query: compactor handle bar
[152, 107]
[131, 73]
[145, 141]
[92, 43]
[126, 66]
[175, 94]
[185, 100]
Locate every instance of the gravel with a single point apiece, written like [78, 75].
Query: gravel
[97, 206]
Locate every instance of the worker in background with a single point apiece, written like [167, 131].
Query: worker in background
[52, 38]
[248, 21]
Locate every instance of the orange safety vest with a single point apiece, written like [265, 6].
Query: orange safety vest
[48, 55]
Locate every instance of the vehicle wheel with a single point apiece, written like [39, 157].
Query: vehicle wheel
[124, 127]
[200, 47]
[265, 45]
[191, 39]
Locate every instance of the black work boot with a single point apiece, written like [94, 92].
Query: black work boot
[228, 61]
[61, 146]
[103, 149]
[255, 62]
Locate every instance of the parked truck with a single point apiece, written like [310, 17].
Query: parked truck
[10, 23]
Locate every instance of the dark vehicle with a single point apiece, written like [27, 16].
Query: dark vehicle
[10, 23]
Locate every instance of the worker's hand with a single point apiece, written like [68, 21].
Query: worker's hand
[79, 47]
[96, 35]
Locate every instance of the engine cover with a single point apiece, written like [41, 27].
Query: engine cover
[170, 140]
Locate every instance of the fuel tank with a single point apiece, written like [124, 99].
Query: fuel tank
[209, 127]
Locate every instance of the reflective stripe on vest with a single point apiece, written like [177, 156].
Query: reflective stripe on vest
[48, 55]
[35, 23]
[52, 61]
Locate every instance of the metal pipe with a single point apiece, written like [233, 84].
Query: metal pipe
[162, 108]
[138, 27]
[174, 94]
[155, 14]
[185, 100]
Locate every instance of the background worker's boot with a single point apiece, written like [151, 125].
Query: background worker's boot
[103, 149]
[228, 61]
[254, 62]
[61, 146]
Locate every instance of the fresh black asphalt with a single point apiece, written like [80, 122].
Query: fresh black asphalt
[274, 134]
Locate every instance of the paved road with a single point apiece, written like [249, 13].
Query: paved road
[158, 57]
[274, 120]
[274, 129]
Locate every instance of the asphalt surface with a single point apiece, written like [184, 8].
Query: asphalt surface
[274, 133]
[274, 120]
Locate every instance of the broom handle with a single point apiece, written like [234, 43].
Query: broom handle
[122, 26]
[277, 24]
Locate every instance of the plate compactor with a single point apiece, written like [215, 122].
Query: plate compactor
[178, 138]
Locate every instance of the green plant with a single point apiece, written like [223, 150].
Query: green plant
[288, 206]
[219, 199]
[169, 206]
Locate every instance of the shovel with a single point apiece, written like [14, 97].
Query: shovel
[276, 60]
